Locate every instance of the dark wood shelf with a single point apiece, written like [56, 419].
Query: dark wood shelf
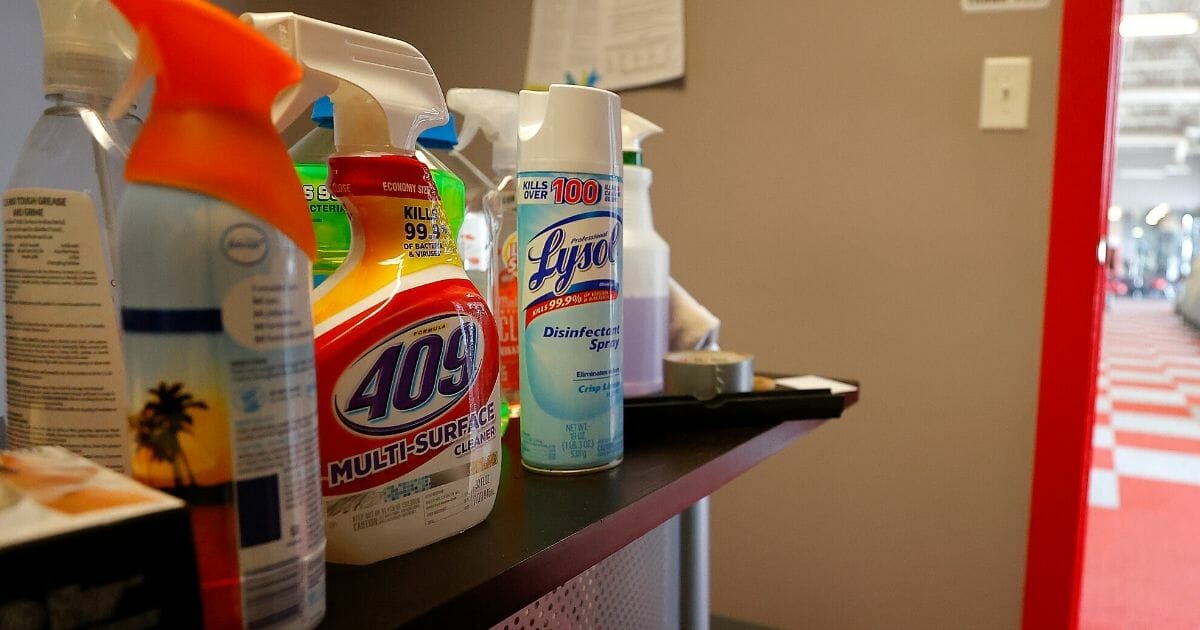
[546, 530]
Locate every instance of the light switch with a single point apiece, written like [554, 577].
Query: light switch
[1004, 99]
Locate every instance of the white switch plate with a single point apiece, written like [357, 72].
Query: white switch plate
[975, 6]
[1004, 99]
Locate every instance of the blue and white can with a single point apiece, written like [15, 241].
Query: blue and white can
[569, 269]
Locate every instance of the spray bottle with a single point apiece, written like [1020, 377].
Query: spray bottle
[647, 268]
[432, 146]
[66, 381]
[494, 112]
[214, 271]
[474, 238]
[332, 228]
[569, 266]
[406, 347]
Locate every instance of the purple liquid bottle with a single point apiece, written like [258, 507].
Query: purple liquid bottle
[646, 270]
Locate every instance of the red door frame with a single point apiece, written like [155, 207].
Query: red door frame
[1083, 158]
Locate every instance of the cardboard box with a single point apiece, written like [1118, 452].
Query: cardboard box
[81, 546]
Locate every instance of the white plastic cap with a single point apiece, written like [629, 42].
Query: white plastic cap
[570, 128]
[494, 112]
[635, 129]
[88, 47]
[384, 93]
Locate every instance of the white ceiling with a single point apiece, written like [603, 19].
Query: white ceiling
[1158, 113]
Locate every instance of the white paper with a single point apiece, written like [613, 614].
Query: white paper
[612, 44]
[815, 382]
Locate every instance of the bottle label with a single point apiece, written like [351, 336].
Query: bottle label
[409, 431]
[407, 372]
[330, 223]
[569, 259]
[223, 397]
[508, 312]
[66, 375]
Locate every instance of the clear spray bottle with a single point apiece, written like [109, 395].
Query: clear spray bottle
[442, 146]
[66, 186]
[494, 113]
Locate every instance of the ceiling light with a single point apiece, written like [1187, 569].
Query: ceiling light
[1115, 213]
[1157, 213]
[1141, 173]
[1158, 25]
[1138, 232]
[1133, 140]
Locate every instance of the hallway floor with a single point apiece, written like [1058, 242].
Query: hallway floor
[1142, 562]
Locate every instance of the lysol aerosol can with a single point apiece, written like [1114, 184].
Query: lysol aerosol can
[569, 270]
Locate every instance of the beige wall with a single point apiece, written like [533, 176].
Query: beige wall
[826, 191]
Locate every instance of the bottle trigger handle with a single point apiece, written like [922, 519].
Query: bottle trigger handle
[147, 64]
[469, 129]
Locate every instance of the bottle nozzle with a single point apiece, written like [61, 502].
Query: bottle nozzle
[470, 127]
[383, 90]
[494, 112]
[88, 47]
[216, 80]
[145, 67]
[570, 128]
[635, 129]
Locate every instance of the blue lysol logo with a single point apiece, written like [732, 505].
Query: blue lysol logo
[577, 250]
[410, 378]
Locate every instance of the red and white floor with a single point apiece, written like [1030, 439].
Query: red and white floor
[1142, 561]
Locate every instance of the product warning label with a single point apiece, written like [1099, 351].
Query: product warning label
[66, 376]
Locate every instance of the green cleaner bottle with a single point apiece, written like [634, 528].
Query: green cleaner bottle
[311, 156]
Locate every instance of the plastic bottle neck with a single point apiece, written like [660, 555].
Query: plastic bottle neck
[636, 192]
[348, 150]
[75, 100]
[314, 148]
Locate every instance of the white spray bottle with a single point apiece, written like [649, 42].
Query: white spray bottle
[647, 267]
[407, 369]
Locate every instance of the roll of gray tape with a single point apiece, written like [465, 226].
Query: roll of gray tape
[706, 373]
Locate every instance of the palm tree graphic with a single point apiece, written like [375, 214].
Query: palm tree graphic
[158, 426]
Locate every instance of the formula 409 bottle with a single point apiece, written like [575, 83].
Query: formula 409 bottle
[407, 365]
[569, 270]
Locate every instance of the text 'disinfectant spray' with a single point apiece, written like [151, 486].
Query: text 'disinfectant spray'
[569, 260]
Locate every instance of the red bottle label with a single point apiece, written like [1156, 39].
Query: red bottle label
[418, 381]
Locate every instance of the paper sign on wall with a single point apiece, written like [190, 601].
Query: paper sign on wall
[612, 44]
